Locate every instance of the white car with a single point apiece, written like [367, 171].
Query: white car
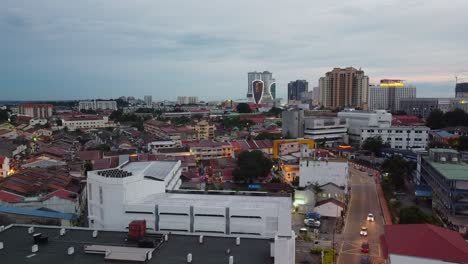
[370, 217]
[363, 231]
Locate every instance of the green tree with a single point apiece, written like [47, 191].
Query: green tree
[414, 215]
[3, 116]
[275, 111]
[435, 120]
[243, 108]
[103, 147]
[251, 165]
[456, 117]
[462, 143]
[87, 166]
[266, 135]
[399, 170]
[373, 144]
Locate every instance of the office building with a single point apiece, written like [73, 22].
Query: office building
[461, 90]
[399, 137]
[261, 87]
[447, 176]
[73, 123]
[357, 120]
[423, 106]
[206, 149]
[97, 105]
[315, 96]
[148, 101]
[296, 90]
[341, 88]
[185, 100]
[41, 111]
[148, 191]
[388, 94]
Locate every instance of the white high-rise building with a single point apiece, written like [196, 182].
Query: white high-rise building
[185, 100]
[388, 94]
[95, 105]
[260, 87]
[148, 101]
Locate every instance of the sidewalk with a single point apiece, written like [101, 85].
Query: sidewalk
[387, 215]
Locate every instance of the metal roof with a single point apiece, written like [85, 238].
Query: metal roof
[37, 213]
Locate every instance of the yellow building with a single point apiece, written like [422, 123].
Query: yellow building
[204, 130]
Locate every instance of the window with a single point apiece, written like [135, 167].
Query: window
[100, 195]
[90, 192]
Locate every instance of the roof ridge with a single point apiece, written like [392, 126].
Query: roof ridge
[434, 230]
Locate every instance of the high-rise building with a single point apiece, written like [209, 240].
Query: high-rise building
[148, 101]
[388, 94]
[36, 110]
[296, 90]
[344, 88]
[461, 90]
[95, 105]
[261, 87]
[184, 100]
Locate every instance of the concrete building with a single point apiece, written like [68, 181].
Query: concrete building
[344, 88]
[205, 150]
[358, 120]
[97, 105]
[423, 106]
[73, 123]
[205, 130]
[329, 131]
[156, 146]
[447, 176]
[41, 111]
[148, 101]
[142, 191]
[261, 87]
[323, 171]
[399, 137]
[388, 94]
[297, 89]
[185, 100]
[4, 166]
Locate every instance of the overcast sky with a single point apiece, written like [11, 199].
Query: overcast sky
[52, 49]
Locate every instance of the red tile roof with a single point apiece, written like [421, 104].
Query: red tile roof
[2, 159]
[425, 241]
[331, 200]
[10, 197]
[90, 155]
[64, 194]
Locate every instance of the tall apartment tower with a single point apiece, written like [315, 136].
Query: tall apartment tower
[261, 87]
[388, 94]
[296, 90]
[148, 101]
[461, 90]
[344, 88]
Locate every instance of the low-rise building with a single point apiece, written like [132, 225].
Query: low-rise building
[322, 171]
[205, 130]
[447, 176]
[73, 123]
[442, 136]
[156, 146]
[358, 120]
[4, 166]
[97, 105]
[205, 149]
[399, 137]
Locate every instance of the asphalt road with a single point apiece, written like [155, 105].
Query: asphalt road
[364, 200]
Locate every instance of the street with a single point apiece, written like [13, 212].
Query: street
[364, 200]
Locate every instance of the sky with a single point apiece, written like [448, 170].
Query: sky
[59, 50]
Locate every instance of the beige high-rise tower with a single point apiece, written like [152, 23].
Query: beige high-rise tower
[344, 88]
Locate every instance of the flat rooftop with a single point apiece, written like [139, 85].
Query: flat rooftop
[17, 248]
[452, 171]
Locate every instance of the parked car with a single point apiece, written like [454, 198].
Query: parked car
[363, 231]
[311, 223]
[365, 247]
[365, 259]
[370, 217]
[312, 215]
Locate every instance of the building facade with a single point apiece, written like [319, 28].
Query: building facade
[423, 106]
[186, 100]
[205, 150]
[86, 122]
[461, 90]
[297, 90]
[205, 130]
[97, 105]
[148, 101]
[358, 120]
[261, 87]
[388, 94]
[399, 137]
[41, 111]
[4, 166]
[344, 88]
[447, 176]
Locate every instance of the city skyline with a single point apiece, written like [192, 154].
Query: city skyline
[110, 49]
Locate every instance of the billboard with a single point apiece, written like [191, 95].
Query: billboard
[257, 89]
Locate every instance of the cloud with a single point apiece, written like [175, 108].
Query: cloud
[108, 48]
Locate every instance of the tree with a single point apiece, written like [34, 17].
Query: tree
[4, 116]
[399, 170]
[456, 117]
[462, 143]
[87, 166]
[243, 108]
[251, 165]
[414, 215]
[266, 135]
[435, 120]
[316, 188]
[275, 111]
[373, 144]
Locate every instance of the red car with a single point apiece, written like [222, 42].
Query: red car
[365, 247]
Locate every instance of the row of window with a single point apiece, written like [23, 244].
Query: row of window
[396, 131]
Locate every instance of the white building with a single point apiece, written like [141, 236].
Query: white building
[86, 122]
[4, 166]
[357, 120]
[155, 146]
[95, 105]
[322, 172]
[399, 137]
[184, 100]
[329, 131]
[142, 191]
[329, 207]
[36, 110]
[388, 94]
[148, 101]
[37, 121]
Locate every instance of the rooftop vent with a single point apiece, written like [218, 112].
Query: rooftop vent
[95, 233]
[114, 173]
[31, 230]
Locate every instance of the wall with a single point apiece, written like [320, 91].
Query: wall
[399, 259]
[323, 172]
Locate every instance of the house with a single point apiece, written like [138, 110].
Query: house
[330, 207]
[331, 190]
[423, 244]
[8, 134]
[4, 166]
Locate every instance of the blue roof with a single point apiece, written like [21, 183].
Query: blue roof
[423, 191]
[37, 213]
[442, 133]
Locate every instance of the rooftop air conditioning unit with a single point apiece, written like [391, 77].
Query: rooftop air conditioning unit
[454, 159]
[443, 159]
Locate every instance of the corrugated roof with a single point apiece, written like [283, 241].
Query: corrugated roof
[425, 241]
[10, 197]
[451, 171]
[36, 213]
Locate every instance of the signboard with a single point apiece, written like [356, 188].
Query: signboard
[254, 186]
